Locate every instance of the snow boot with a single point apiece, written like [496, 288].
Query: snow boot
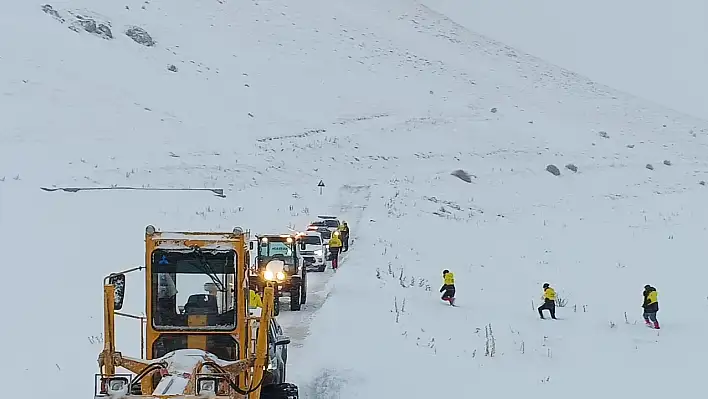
[647, 322]
[656, 325]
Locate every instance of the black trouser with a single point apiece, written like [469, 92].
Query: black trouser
[449, 292]
[649, 316]
[345, 242]
[550, 305]
[334, 253]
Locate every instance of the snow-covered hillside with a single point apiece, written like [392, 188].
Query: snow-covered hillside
[382, 101]
[653, 49]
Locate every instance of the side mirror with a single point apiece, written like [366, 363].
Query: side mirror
[118, 280]
[282, 340]
[250, 245]
[303, 246]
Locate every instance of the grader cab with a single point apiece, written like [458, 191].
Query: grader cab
[199, 335]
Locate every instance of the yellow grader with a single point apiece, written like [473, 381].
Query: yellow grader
[200, 338]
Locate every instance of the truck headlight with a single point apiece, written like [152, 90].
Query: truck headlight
[268, 275]
[280, 276]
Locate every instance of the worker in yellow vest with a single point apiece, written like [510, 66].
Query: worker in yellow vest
[344, 232]
[335, 246]
[254, 300]
[448, 287]
[549, 301]
[651, 306]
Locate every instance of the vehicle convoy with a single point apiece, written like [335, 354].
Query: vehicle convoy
[197, 344]
[278, 262]
[326, 226]
[313, 250]
[331, 222]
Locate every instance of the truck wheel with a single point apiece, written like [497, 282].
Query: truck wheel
[295, 293]
[280, 391]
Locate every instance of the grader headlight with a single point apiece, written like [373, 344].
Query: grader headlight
[117, 386]
[206, 386]
[280, 276]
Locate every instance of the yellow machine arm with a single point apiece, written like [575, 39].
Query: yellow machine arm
[262, 338]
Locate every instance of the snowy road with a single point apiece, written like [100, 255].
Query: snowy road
[350, 206]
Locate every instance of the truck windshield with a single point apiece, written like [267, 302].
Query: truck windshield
[332, 223]
[193, 289]
[277, 250]
[311, 240]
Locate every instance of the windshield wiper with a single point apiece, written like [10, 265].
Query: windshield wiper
[206, 268]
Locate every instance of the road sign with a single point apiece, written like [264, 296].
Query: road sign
[321, 186]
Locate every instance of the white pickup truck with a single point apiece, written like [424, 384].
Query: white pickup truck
[313, 250]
